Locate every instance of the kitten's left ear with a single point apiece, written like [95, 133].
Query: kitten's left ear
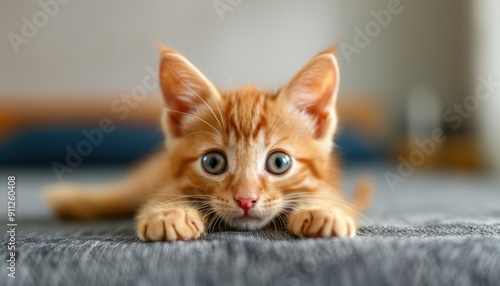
[313, 91]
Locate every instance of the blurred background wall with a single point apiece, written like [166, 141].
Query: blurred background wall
[96, 46]
[89, 48]
[486, 58]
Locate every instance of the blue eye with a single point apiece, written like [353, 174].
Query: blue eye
[214, 163]
[278, 163]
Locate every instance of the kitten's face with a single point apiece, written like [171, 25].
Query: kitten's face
[249, 154]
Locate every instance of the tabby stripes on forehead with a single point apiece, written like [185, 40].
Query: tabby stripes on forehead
[247, 113]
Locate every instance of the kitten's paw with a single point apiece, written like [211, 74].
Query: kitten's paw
[321, 222]
[170, 225]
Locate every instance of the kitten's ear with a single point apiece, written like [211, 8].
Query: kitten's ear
[183, 86]
[313, 91]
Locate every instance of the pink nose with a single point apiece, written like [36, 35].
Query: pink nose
[246, 203]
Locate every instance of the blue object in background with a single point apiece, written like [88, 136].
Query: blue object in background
[353, 147]
[44, 146]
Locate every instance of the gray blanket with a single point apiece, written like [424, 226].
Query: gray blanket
[433, 231]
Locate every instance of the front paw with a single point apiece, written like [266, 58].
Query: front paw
[321, 222]
[170, 225]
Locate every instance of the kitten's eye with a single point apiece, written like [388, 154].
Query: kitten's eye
[278, 163]
[214, 163]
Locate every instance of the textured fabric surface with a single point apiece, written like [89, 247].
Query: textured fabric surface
[434, 231]
[110, 254]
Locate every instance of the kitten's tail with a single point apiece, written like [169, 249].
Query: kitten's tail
[363, 194]
[82, 202]
[74, 201]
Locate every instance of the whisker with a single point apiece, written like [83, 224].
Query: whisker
[275, 124]
[189, 114]
[334, 201]
[197, 133]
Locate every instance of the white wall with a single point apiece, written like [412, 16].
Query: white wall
[104, 46]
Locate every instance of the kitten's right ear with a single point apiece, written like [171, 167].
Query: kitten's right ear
[183, 86]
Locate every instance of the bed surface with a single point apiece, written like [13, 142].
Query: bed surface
[438, 229]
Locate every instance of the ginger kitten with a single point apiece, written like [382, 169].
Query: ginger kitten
[247, 158]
